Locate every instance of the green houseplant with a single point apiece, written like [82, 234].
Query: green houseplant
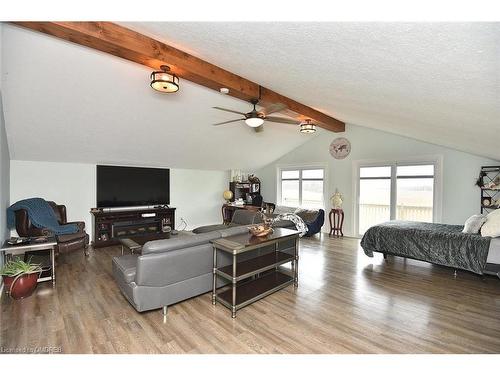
[20, 277]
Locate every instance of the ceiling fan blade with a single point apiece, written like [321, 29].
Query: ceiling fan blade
[273, 108]
[228, 110]
[228, 122]
[282, 120]
[259, 129]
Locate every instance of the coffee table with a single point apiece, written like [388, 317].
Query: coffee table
[259, 276]
[50, 243]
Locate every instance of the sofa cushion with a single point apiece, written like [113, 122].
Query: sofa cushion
[170, 244]
[307, 215]
[126, 265]
[210, 228]
[232, 231]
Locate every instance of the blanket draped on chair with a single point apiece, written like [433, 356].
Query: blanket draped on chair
[297, 220]
[40, 214]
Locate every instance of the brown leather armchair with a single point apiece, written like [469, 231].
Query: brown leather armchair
[65, 242]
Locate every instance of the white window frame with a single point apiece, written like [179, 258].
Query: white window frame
[436, 160]
[300, 168]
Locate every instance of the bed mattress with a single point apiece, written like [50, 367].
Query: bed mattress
[441, 244]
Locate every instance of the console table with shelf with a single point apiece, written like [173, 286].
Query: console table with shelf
[257, 277]
[110, 226]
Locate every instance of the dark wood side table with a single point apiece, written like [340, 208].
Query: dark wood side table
[336, 218]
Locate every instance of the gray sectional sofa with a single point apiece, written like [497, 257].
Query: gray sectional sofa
[172, 270]
[169, 271]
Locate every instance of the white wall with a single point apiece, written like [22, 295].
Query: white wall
[460, 196]
[64, 183]
[196, 194]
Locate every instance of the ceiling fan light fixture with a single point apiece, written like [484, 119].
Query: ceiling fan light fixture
[164, 81]
[254, 122]
[307, 127]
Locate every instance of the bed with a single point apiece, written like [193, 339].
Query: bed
[441, 244]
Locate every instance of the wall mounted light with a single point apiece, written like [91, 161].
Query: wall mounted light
[307, 127]
[164, 81]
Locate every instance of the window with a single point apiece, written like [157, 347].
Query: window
[395, 191]
[301, 187]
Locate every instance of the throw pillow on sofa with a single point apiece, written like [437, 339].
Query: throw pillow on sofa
[492, 226]
[474, 223]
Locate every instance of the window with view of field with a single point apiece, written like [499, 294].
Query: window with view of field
[302, 187]
[395, 192]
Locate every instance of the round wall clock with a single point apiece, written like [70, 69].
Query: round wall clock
[340, 148]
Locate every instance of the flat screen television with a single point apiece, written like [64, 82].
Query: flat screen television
[132, 186]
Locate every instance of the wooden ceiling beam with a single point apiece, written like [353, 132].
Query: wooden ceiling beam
[128, 44]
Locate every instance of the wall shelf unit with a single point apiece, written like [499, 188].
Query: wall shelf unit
[490, 195]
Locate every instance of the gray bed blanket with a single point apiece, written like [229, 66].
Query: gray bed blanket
[441, 244]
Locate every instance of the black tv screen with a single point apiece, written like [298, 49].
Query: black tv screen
[132, 186]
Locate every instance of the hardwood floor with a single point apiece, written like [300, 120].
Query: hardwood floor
[345, 303]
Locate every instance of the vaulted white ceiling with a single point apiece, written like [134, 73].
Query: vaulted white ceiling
[438, 83]
[65, 102]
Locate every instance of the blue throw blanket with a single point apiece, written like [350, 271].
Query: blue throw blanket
[41, 215]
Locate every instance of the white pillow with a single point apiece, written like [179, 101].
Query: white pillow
[492, 226]
[474, 223]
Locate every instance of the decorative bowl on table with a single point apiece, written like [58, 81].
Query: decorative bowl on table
[260, 230]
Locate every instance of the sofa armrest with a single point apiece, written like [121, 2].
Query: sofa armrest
[314, 227]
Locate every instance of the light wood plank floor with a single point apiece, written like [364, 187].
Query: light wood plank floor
[345, 303]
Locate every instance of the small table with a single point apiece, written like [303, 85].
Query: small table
[9, 250]
[336, 218]
[257, 277]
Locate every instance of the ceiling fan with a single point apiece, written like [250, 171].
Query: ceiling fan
[255, 119]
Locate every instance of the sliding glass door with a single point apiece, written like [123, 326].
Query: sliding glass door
[395, 192]
[415, 192]
[374, 196]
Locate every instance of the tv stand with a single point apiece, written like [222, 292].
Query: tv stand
[110, 226]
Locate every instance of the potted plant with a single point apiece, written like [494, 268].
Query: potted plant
[20, 277]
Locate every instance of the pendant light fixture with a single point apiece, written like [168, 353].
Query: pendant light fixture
[307, 127]
[164, 81]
